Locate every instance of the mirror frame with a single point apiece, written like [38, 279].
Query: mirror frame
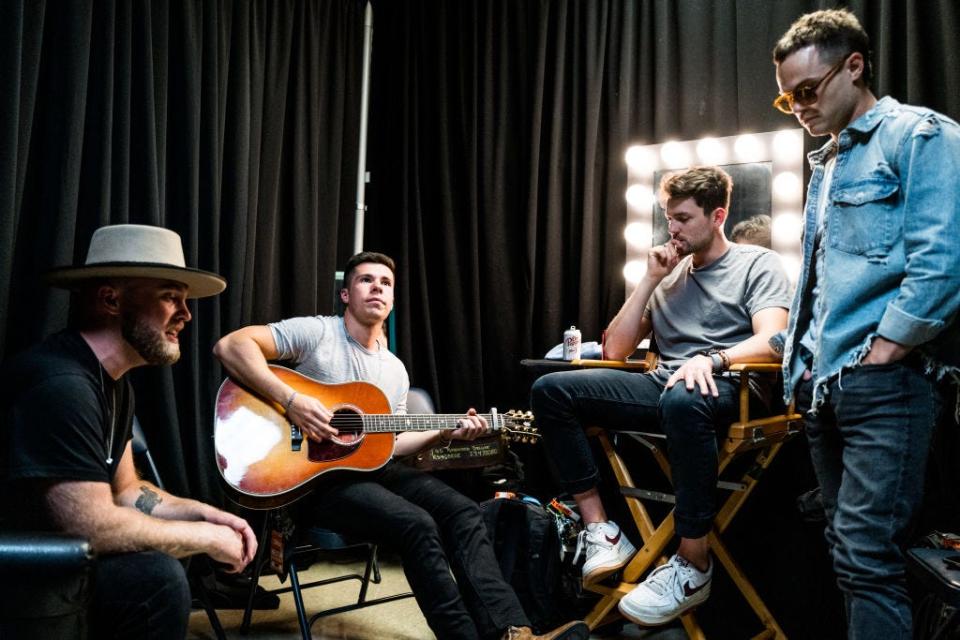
[782, 149]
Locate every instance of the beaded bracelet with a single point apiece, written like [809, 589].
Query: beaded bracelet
[726, 359]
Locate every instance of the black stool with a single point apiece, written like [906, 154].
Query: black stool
[936, 612]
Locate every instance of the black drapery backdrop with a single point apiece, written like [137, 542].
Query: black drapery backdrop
[232, 123]
[497, 138]
[498, 177]
[497, 143]
[496, 151]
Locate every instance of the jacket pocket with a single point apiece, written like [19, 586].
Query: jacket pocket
[864, 219]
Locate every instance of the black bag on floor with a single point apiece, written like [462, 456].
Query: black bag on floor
[527, 546]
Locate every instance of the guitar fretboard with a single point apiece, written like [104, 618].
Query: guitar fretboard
[385, 423]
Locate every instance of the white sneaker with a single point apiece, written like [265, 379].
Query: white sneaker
[668, 591]
[606, 549]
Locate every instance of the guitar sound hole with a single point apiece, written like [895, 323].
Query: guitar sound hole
[349, 437]
[348, 424]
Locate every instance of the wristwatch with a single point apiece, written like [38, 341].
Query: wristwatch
[717, 361]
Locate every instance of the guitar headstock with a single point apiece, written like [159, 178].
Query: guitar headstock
[518, 427]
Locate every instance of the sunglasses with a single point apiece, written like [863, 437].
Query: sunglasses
[805, 94]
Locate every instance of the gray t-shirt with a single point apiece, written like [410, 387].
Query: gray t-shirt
[322, 349]
[696, 310]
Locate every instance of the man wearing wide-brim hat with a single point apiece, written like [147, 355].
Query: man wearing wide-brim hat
[66, 462]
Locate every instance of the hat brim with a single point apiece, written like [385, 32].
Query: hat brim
[201, 284]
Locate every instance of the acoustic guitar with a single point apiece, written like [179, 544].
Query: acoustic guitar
[266, 461]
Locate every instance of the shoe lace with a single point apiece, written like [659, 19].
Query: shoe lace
[663, 579]
[589, 542]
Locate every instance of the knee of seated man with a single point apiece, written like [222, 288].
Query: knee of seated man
[165, 577]
[545, 388]
[416, 529]
[681, 405]
[146, 577]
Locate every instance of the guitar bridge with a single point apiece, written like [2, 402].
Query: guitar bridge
[296, 437]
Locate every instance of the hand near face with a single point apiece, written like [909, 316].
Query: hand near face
[661, 260]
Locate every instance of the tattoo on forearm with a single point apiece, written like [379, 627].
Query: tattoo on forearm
[148, 500]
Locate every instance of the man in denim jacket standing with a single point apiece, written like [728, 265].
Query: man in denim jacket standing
[874, 315]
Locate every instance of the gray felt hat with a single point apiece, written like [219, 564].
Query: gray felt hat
[138, 251]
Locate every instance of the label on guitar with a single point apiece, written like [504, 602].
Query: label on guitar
[482, 452]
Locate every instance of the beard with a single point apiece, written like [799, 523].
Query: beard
[691, 245]
[151, 344]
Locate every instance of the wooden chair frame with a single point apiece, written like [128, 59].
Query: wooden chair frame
[762, 438]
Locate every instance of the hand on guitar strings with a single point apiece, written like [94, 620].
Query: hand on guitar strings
[312, 417]
[470, 427]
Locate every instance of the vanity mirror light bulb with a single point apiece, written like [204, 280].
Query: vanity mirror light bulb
[634, 271]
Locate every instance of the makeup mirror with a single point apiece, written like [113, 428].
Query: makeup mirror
[767, 172]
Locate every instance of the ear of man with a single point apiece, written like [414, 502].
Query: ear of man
[719, 216]
[855, 66]
[109, 297]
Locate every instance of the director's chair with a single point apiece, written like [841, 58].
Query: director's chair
[753, 440]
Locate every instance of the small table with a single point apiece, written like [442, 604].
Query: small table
[541, 366]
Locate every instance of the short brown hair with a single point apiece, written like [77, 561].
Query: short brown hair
[362, 258]
[753, 230]
[836, 33]
[709, 187]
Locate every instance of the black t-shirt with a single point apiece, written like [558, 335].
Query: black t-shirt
[62, 417]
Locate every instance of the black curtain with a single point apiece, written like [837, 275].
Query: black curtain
[496, 151]
[233, 123]
[497, 143]
[497, 147]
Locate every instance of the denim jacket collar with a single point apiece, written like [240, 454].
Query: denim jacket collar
[862, 125]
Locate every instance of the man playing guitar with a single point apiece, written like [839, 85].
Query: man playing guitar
[435, 529]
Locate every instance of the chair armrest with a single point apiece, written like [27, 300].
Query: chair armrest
[45, 585]
[758, 367]
[610, 364]
[46, 553]
[648, 363]
[748, 368]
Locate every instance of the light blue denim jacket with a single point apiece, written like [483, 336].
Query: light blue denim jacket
[891, 245]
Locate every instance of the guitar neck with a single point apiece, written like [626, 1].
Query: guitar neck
[394, 423]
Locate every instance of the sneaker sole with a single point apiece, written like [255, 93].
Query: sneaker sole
[655, 621]
[603, 571]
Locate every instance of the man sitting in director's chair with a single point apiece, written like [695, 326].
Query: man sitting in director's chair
[710, 304]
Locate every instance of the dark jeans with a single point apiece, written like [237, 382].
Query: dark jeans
[565, 402]
[139, 595]
[869, 443]
[436, 530]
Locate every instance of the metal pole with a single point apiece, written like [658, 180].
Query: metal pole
[362, 157]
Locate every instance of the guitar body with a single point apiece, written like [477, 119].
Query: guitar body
[260, 460]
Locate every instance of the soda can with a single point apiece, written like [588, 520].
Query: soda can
[571, 344]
